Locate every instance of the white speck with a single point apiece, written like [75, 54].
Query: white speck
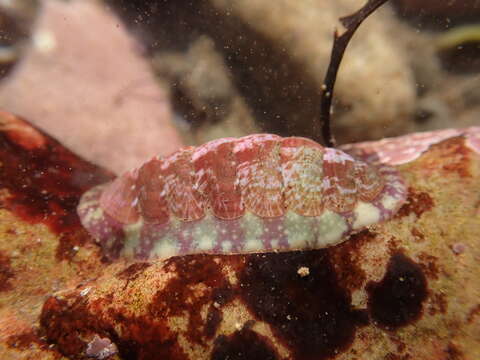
[85, 291]
[303, 271]
[100, 348]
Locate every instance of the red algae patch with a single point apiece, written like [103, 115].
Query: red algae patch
[43, 247]
[417, 203]
[43, 181]
[6, 272]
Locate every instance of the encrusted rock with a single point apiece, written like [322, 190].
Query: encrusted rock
[404, 288]
[396, 289]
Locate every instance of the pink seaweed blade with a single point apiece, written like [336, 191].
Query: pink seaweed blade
[403, 149]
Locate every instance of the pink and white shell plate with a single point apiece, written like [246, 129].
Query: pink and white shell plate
[258, 193]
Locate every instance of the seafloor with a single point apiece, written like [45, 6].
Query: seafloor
[104, 86]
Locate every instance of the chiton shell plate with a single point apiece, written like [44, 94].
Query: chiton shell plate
[256, 193]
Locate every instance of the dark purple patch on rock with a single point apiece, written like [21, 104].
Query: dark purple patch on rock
[397, 300]
[311, 314]
[244, 344]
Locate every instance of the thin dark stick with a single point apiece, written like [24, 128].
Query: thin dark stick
[340, 42]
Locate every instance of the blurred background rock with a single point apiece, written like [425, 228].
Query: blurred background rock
[214, 68]
[83, 80]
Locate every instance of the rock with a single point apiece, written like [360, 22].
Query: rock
[16, 18]
[90, 87]
[446, 96]
[395, 290]
[441, 10]
[459, 49]
[289, 51]
[278, 53]
[204, 94]
[43, 247]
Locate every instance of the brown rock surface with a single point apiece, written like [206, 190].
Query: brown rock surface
[86, 83]
[403, 289]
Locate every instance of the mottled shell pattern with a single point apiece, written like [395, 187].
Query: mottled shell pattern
[251, 194]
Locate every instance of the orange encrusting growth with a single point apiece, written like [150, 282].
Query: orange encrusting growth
[265, 174]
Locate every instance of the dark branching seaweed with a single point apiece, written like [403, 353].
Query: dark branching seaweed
[340, 42]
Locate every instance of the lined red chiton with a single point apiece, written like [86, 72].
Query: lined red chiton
[256, 193]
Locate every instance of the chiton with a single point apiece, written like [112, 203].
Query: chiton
[234, 195]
